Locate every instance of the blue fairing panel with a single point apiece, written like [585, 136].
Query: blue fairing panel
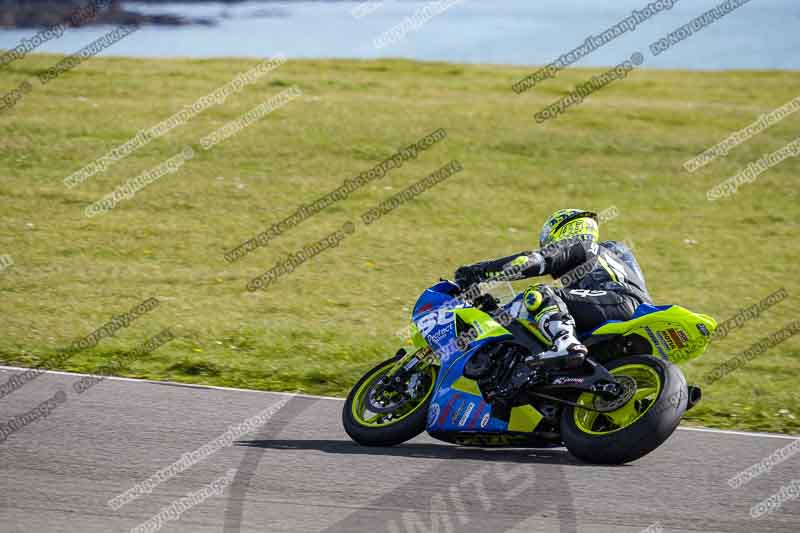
[456, 410]
[646, 309]
[434, 298]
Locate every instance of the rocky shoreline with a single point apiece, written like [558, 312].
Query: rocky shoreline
[77, 13]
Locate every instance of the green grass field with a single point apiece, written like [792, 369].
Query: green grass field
[318, 329]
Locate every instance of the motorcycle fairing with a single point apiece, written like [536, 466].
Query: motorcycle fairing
[457, 404]
[457, 411]
[673, 332]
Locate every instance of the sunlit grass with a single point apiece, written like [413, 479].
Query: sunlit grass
[321, 327]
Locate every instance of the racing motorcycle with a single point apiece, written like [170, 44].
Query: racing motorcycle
[466, 381]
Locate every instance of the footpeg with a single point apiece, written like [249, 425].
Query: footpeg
[556, 360]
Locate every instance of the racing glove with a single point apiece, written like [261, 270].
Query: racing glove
[467, 276]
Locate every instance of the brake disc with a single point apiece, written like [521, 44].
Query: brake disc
[628, 386]
[377, 401]
[383, 400]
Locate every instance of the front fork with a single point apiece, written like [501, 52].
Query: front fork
[407, 365]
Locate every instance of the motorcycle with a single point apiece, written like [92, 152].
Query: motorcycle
[466, 381]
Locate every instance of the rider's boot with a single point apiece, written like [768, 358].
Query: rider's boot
[567, 350]
[557, 325]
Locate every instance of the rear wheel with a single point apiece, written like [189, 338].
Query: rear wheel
[636, 428]
[376, 415]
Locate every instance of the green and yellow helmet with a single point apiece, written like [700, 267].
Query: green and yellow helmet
[570, 224]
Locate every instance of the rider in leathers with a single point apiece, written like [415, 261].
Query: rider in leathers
[600, 281]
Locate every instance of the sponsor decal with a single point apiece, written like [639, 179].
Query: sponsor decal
[585, 293]
[665, 338]
[702, 329]
[443, 332]
[676, 338]
[457, 414]
[485, 420]
[476, 414]
[655, 342]
[428, 323]
[426, 307]
[413, 361]
[564, 381]
[433, 414]
[467, 412]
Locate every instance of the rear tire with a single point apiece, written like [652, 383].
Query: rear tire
[389, 435]
[645, 434]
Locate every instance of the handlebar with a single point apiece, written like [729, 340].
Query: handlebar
[473, 295]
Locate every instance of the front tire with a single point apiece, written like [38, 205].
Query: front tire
[376, 430]
[638, 427]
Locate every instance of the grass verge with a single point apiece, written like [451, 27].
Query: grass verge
[319, 328]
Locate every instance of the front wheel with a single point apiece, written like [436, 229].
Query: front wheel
[375, 415]
[636, 428]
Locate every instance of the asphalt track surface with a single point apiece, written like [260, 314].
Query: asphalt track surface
[299, 472]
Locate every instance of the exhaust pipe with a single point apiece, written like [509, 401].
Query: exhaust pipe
[694, 396]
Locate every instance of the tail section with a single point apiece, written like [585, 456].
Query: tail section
[673, 332]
